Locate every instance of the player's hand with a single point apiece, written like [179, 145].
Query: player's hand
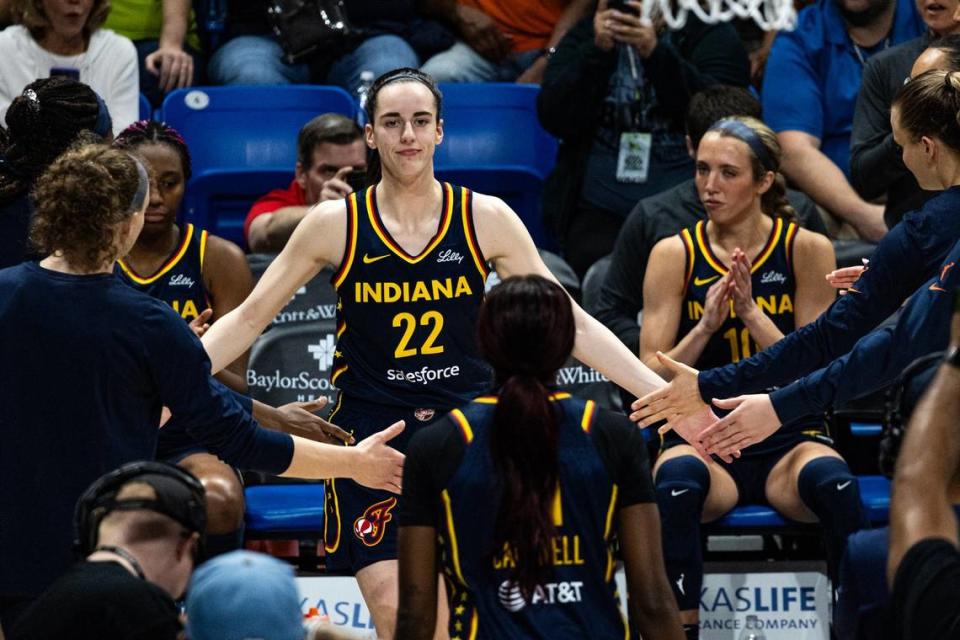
[380, 466]
[678, 399]
[716, 307]
[165, 416]
[845, 277]
[751, 420]
[482, 34]
[741, 285]
[201, 323]
[173, 65]
[336, 188]
[298, 418]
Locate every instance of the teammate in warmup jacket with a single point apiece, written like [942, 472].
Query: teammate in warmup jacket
[411, 257]
[520, 497]
[715, 293]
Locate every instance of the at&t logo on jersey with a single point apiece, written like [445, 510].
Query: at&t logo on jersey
[550, 593]
[371, 526]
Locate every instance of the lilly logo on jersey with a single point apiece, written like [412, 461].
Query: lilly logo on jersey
[371, 526]
[511, 598]
[773, 277]
[181, 280]
[449, 255]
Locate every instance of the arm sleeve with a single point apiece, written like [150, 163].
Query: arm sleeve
[210, 411]
[432, 458]
[874, 161]
[621, 293]
[574, 84]
[893, 274]
[623, 450]
[792, 97]
[877, 359]
[926, 591]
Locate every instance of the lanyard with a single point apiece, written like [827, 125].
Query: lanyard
[859, 52]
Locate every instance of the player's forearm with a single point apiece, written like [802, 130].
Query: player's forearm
[920, 505]
[600, 349]
[762, 329]
[229, 337]
[317, 461]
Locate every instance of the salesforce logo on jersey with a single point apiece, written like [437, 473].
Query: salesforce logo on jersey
[283, 375]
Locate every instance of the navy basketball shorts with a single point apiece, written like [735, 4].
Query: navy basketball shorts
[360, 524]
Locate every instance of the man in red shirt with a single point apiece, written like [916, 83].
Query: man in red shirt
[329, 148]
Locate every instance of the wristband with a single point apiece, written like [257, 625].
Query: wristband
[952, 357]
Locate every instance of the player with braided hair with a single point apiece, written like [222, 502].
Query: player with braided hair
[41, 124]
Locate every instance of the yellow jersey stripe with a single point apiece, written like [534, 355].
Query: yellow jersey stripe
[788, 243]
[171, 263]
[350, 251]
[589, 411]
[771, 245]
[203, 247]
[691, 254]
[559, 395]
[474, 624]
[337, 373]
[557, 507]
[461, 420]
[327, 524]
[608, 526]
[445, 217]
[452, 537]
[472, 243]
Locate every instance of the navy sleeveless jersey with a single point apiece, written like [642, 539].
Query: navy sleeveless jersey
[580, 599]
[773, 289]
[179, 282]
[405, 324]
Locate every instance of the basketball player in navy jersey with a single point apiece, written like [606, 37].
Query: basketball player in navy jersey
[411, 257]
[525, 492]
[715, 293]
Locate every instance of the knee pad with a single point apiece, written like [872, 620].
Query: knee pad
[681, 487]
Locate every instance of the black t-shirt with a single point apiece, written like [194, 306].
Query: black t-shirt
[926, 592]
[100, 601]
[436, 452]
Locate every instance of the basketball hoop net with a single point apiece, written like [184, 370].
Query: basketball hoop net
[770, 15]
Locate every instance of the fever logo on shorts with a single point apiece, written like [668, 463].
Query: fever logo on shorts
[371, 526]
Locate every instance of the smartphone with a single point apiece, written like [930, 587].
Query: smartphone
[67, 72]
[356, 179]
[622, 7]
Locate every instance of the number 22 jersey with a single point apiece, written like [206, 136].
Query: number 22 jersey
[405, 324]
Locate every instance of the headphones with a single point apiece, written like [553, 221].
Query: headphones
[100, 499]
[896, 411]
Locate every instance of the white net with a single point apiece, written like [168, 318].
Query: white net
[770, 15]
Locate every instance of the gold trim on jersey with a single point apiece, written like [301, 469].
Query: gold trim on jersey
[203, 248]
[337, 372]
[330, 497]
[350, 248]
[557, 509]
[607, 529]
[175, 258]
[691, 256]
[788, 239]
[714, 262]
[464, 424]
[557, 395]
[452, 537]
[466, 212]
[589, 411]
[446, 215]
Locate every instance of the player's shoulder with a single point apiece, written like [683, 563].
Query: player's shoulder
[811, 241]
[669, 248]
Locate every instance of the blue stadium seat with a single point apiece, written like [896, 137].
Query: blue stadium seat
[750, 516]
[493, 143]
[218, 199]
[146, 112]
[875, 496]
[252, 127]
[284, 510]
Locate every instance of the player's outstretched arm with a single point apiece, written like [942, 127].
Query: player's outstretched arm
[318, 241]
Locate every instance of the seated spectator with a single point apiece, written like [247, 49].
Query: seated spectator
[168, 49]
[139, 530]
[41, 124]
[923, 567]
[502, 40]
[248, 595]
[809, 89]
[615, 93]
[665, 214]
[394, 36]
[876, 168]
[65, 38]
[329, 149]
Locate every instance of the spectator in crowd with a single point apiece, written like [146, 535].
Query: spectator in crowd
[665, 214]
[139, 529]
[809, 89]
[115, 357]
[615, 93]
[248, 595]
[41, 124]
[330, 152]
[876, 169]
[502, 40]
[168, 49]
[65, 38]
[923, 567]
[392, 36]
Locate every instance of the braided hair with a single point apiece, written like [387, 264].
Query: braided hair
[153, 132]
[42, 123]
